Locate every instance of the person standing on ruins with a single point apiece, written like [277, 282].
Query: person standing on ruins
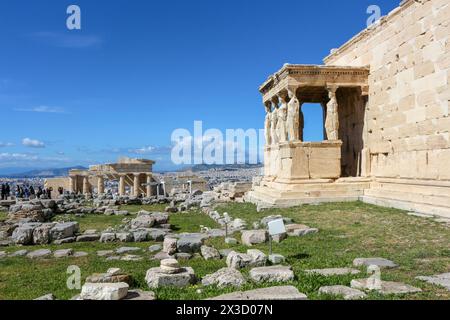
[3, 191]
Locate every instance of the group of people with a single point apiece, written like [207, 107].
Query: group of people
[25, 192]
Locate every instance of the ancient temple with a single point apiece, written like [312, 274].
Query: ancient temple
[385, 99]
[134, 177]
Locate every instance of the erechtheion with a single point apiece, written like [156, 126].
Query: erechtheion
[385, 97]
[132, 174]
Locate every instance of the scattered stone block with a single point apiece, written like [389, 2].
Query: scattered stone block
[170, 245]
[104, 253]
[63, 253]
[64, 241]
[39, 254]
[104, 291]
[80, 254]
[64, 230]
[333, 271]
[183, 256]
[259, 259]
[156, 278]
[88, 238]
[123, 250]
[210, 253]
[20, 253]
[140, 295]
[231, 241]
[190, 242]
[131, 257]
[252, 237]
[238, 260]
[224, 277]
[265, 294]
[46, 297]
[380, 262]
[155, 248]
[442, 280]
[276, 259]
[108, 237]
[124, 236]
[162, 255]
[346, 292]
[272, 274]
[387, 287]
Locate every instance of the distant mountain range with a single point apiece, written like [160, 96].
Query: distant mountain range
[42, 173]
[225, 167]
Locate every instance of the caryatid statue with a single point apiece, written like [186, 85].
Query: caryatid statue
[282, 121]
[332, 119]
[273, 124]
[293, 117]
[267, 123]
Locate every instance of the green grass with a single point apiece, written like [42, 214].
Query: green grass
[347, 230]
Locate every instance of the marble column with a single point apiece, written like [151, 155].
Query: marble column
[149, 186]
[157, 190]
[100, 185]
[85, 185]
[332, 119]
[73, 184]
[136, 185]
[164, 188]
[122, 185]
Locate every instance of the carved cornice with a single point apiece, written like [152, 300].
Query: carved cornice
[311, 73]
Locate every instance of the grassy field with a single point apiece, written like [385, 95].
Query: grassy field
[347, 230]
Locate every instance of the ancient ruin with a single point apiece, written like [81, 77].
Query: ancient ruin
[385, 98]
[134, 176]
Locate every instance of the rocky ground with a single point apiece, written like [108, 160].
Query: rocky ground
[196, 247]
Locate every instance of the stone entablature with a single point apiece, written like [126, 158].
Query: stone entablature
[294, 76]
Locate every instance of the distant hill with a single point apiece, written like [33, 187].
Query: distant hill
[43, 173]
[226, 167]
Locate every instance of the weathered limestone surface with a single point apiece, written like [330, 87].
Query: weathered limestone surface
[387, 287]
[380, 262]
[333, 271]
[272, 274]
[104, 291]
[224, 277]
[346, 292]
[442, 280]
[272, 293]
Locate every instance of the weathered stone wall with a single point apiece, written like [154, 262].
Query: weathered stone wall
[407, 117]
[55, 183]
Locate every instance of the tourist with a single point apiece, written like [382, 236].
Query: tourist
[3, 191]
[49, 193]
[39, 192]
[32, 192]
[8, 191]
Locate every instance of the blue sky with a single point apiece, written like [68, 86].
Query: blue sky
[139, 69]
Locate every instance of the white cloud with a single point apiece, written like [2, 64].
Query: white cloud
[6, 144]
[30, 159]
[143, 150]
[66, 40]
[32, 143]
[42, 109]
